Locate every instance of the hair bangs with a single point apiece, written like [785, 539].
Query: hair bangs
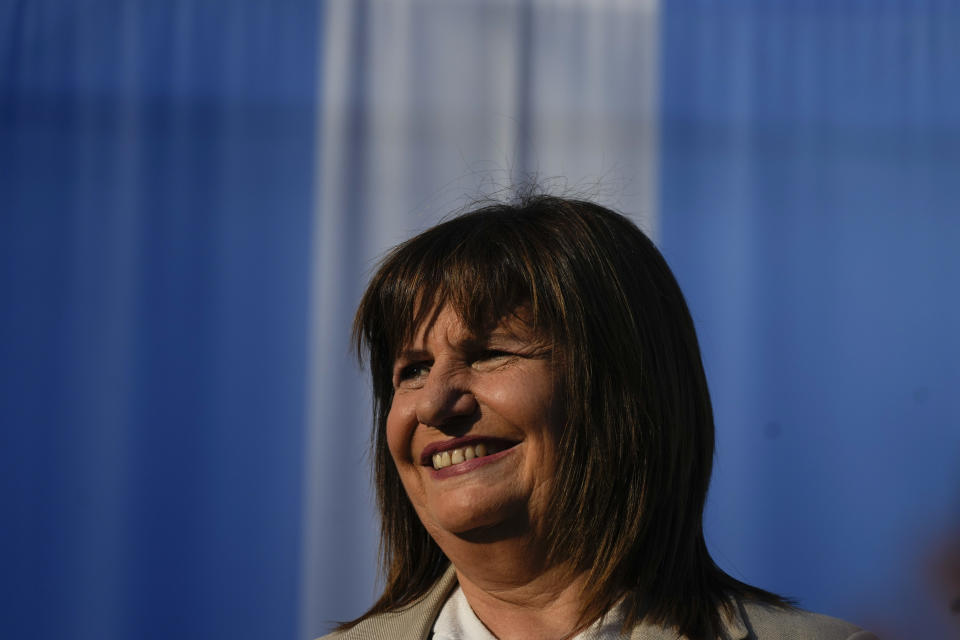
[485, 271]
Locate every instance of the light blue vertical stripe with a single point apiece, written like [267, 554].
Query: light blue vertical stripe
[426, 107]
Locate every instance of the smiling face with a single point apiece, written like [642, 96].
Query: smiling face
[473, 426]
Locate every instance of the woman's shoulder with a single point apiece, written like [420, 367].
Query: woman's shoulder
[381, 625]
[767, 622]
[752, 621]
[414, 621]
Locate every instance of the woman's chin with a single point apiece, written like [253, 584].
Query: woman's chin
[478, 523]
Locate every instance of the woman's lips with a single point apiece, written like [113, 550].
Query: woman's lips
[463, 454]
[469, 465]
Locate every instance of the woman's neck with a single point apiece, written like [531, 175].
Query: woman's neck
[512, 588]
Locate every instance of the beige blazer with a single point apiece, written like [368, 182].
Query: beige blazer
[750, 622]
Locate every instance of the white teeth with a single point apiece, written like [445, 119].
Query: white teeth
[456, 456]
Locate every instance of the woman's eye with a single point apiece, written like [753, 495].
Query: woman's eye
[412, 372]
[492, 354]
[491, 358]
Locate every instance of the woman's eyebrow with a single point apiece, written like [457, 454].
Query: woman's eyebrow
[503, 336]
[519, 332]
[485, 338]
[411, 354]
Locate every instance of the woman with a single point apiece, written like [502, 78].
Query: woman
[544, 439]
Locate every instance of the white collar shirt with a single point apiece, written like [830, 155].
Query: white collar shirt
[457, 621]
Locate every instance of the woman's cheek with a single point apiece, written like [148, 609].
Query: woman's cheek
[401, 424]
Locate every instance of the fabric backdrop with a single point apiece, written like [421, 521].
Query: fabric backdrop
[192, 196]
[809, 162]
[155, 206]
[426, 106]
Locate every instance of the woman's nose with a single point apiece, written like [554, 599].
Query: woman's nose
[444, 398]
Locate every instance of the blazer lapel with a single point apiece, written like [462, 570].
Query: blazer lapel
[733, 627]
[416, 621]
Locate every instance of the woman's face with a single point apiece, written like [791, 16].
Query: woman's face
[473, 426]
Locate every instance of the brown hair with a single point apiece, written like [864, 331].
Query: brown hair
[629, 497]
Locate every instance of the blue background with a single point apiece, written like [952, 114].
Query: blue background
[155, 170]
[809, 198]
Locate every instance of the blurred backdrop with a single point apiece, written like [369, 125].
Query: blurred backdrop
[193, 194]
